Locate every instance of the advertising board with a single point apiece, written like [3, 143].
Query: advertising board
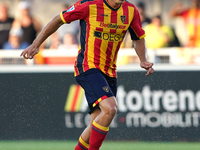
[161, 107]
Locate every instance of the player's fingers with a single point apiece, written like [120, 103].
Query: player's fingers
[31, 57]
[150, 65]
[149, 71]
[32, 54]
[27, 55]
[24, 54]
[146, 65]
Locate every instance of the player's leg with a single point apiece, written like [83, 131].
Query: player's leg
[83, 143]
[100, 125]
[86, 133]
[108, 110]
[98, 89]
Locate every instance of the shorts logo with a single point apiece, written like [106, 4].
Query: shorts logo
[123, 19]
[71, 8]
[106, 89]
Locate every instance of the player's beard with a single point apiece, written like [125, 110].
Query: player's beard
[119, 2]
[116, 3]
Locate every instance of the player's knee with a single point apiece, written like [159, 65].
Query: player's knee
[109, 107]
[112, 111]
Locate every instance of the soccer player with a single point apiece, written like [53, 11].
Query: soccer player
[103, 24]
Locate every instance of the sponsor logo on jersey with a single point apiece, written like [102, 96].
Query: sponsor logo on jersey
[112, 25]
[109, 36]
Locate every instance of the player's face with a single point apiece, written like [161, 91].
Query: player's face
[116, 3]
[119, 1]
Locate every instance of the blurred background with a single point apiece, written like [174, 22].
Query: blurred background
[40, 100]
[172, 29]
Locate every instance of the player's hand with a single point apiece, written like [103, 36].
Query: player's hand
[30, 52]
[148, 66]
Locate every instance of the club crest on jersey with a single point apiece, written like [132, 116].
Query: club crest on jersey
[123, 19]
[106, 89]
[71, 8]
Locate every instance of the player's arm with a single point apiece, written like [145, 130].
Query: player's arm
[137, 35]
[75, 12]
[141, 50]
[50, 28]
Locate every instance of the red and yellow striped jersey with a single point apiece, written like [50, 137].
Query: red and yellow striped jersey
[102, 29]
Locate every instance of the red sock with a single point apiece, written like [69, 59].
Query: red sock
[98, 134]
[81, 145]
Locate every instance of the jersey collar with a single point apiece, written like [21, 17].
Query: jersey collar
[109, 6]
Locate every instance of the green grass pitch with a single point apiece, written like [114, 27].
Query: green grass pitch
[107, 145]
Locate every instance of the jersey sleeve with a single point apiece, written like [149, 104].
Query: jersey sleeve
[77, 11]
[135, 28]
